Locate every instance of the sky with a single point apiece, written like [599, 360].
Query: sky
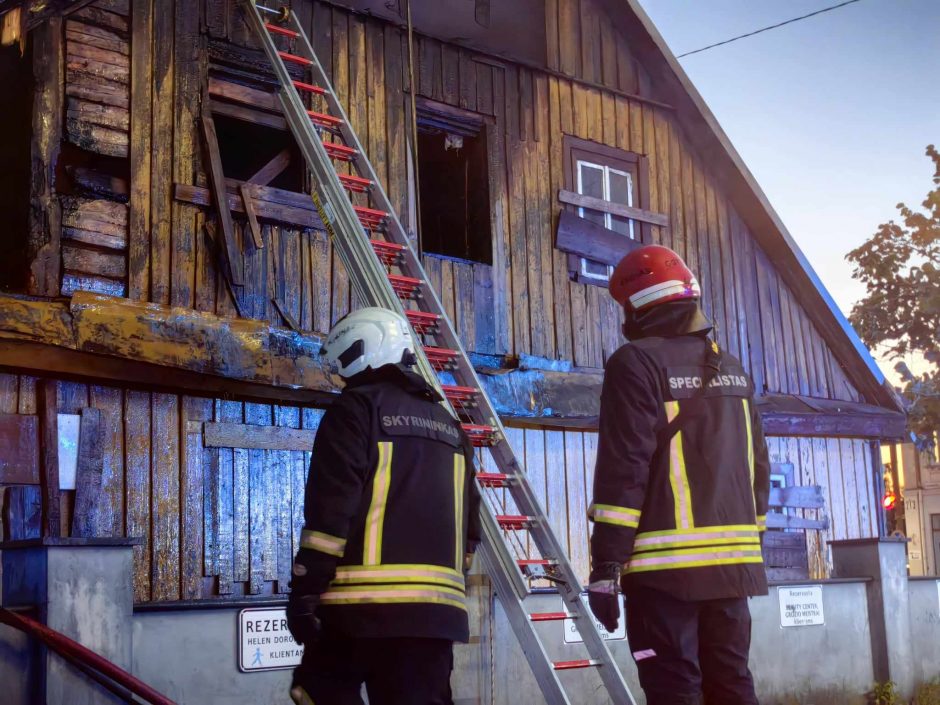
[831, 114]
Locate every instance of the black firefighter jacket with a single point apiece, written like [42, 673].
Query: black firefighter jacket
[391, 512]
[682, 514]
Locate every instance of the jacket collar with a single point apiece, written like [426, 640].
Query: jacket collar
[403, 377]
[669, 320]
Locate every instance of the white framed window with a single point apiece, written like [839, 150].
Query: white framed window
[608, 184]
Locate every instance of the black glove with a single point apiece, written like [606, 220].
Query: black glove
[604, 594]
[302, 618]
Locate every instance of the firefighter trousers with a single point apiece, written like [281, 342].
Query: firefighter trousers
[395, 671]
[689, 653]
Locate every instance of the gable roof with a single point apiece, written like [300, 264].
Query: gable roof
[703, 131]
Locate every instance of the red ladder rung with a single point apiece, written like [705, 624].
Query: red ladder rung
[548, 616]
[480, 435]
[493, 479]
[281, 30]
[526, 562]
[423, 322]
[357, 184]
[580, 663]
[389, 252]
[405, 287]
[370, 217]
[302, 60]
[308, 87]
[440, 358]
[324, 120]
[513, 522]
[339, 151]
[462, 396]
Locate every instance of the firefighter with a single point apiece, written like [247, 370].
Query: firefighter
[391, 522]
[680, 492]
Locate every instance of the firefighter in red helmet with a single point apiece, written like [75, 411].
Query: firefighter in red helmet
[680, 491]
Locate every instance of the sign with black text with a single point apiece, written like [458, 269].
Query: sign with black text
[801, 606]
[264, 642]
[572, 636]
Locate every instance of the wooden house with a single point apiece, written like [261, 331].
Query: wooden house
[527, 144]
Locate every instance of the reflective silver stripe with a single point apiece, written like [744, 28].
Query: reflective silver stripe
[318, 541]
[692, 558]
[611, 514]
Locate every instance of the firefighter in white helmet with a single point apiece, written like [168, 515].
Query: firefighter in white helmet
[680, 492]
[391, 520]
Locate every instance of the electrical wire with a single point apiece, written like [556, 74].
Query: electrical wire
[766, 29]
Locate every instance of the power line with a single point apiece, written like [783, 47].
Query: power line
[765, 29]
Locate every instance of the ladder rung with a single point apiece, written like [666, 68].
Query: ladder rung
[324, 120]
[460, 396]
[526, 562]
[424, 322]
[370, 217]
[308, 87]
[405, 287]
[549, 616]
[389, 252]
[493, 479]
[302, 60]
[339, 151]
[359, 185]
[440, 358]
[580, 663]
[480, 435]
[281, 30]
[513, 522]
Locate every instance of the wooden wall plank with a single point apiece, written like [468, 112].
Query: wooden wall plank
[48, 404]
[257, 503]
[19, 438]
[165, 497]
[193, 491]
[161, 158]
[137, 462]
[88, 475]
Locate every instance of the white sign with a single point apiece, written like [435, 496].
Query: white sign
[801, 606]
[264, 643]
[572, 636]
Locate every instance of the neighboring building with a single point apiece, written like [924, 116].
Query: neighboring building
[550, 138]
[917, 516]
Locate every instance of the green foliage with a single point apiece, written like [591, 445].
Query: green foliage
[928, 693]
[900, 267]
[885, 694]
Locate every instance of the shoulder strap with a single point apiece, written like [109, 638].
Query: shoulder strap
[692, 407]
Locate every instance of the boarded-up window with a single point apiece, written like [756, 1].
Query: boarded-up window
[610, 175]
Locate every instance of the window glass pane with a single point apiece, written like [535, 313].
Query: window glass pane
[595, 270]
[590, 179]
[624, 226]
[621, 187]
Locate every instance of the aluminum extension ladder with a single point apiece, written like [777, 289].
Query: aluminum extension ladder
[386, 272]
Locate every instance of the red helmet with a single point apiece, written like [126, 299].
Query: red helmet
[652, 275]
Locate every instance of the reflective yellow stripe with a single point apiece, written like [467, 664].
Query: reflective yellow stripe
[700, 544]
[698, 530]
[375, 518]
[459, 470]
[678, 478]
[399, 573]
[751, 557]
[762, 522]
[300, 697]
[393, 594]
[704, 535]
[318, 541]
[610, 514]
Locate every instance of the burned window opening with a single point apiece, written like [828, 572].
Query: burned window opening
[453, 179]
[16, 77]
[246, 147]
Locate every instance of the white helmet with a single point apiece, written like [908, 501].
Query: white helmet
[368, 338]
